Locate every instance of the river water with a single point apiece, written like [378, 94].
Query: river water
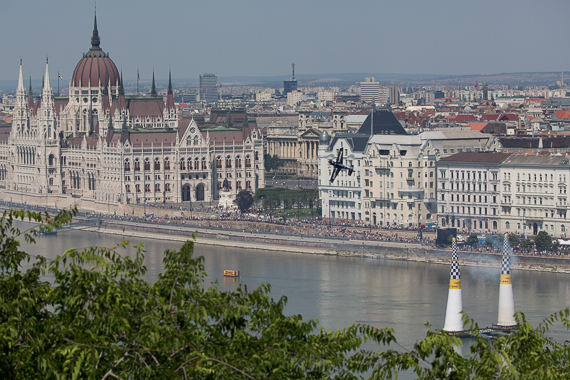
[341, 290]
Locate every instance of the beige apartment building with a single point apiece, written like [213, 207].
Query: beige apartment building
[503, 192]
[394, 181]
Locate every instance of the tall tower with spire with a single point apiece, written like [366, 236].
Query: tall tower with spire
[34, 142]
[21, 108]
[170, 114]
[46, 113]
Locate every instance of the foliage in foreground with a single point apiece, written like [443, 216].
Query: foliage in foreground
[98, 318]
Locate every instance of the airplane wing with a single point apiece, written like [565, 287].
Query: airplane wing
[339, 157]
[335, 172]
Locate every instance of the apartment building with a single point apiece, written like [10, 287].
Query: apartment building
[534, 195]
[469, 190]
[394, 181]
[503, 192]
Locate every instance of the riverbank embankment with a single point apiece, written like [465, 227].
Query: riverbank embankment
[380, 250]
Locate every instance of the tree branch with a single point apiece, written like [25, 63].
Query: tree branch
[110, 372]
[184, 364]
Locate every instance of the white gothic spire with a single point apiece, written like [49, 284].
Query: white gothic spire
[47, 86]
[21, 89]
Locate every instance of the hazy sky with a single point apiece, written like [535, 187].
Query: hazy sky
[263, 37]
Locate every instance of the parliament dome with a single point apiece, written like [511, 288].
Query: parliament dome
[95, 68]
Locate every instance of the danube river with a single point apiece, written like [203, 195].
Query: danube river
[341, 290]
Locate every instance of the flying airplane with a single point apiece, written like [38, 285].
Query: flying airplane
[338, 166]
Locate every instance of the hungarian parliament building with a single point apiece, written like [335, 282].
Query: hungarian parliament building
[102, 150]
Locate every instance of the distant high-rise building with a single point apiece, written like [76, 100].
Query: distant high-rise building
[208, 87]
[394, 95]
[369, 90]
[290, 85]
[383, 95]
[485, 92]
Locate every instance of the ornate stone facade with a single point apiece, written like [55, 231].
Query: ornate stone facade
[299, 146]
[102, 149]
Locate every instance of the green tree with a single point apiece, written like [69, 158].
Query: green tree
[244, 200]
[526, 244]
[543, 241]
[514, 240]
[472, 239]
[272, 162]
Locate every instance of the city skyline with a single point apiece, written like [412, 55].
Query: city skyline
[258, 38]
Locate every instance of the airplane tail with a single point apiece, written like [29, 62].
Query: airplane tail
[351, 170]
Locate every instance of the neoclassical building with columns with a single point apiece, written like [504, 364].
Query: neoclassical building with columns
[299, 146]
[101, 149]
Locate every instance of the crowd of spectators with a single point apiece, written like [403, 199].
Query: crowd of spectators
[254, 222]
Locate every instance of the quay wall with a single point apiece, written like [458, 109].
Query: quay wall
[367, 249]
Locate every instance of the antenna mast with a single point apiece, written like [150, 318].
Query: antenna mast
[293, 66]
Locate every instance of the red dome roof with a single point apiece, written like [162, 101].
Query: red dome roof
[95, 68]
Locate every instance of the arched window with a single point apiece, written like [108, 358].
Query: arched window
[182, 164]
[196, 164]
[562, 228]
[166, 164]
[508, 225]
[127, 165]
[219, 162]
[156, 164]
[137, 164]
[247, 161]
[146, 164]
[204, 164]
[189, 163]
[495, 225]
[228, 162]
[238, 162]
